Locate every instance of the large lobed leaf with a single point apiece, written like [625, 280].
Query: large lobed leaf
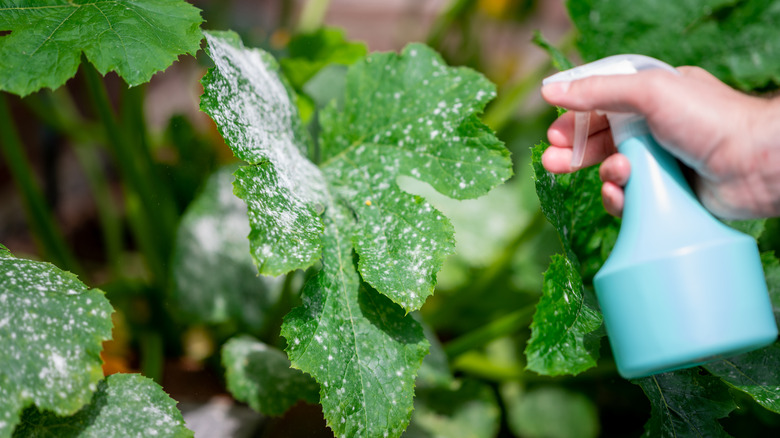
[404, 114]
[408, 114]
[51, 332]
[124, 405]
[732, 39]
[362, 349]
[135, 38]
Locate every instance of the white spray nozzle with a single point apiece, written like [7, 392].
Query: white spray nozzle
[613, 65]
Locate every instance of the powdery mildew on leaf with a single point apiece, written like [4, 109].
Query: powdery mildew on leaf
[215, 278]
[283, 190]
[125, 405]
[262, 376]
[408, 114]
[362, 349]
[135, 38]
[562, 333]
[51, 332]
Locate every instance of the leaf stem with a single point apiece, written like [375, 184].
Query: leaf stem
[144, 212]
[506, 325]
[57, 110]
[42, 222]
[312, 15]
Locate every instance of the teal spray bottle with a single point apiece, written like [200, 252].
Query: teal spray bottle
[679, 288]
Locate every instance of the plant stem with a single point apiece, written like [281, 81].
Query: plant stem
[42, 222]
[312, 15]
[506, 325]
[57, 110]
[141, 200]
[452, 13]
[152, 355]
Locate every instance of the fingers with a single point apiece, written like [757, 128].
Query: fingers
[613, 198]
[557, 158]
[614, 173]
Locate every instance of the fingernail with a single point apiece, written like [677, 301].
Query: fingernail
[555, 89]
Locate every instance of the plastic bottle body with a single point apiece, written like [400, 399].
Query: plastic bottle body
[680, 288]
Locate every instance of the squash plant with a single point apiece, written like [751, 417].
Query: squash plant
[346, 163]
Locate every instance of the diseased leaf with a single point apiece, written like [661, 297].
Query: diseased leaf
[52, 328]
[468, 410]
[728, 38]
[755, 373]
[309, 53]
[564, 332]
[135, 38]
[125, 405]
[408, 114]
[362, 349]
[686, 404]
[215, 279]
[262, 377]
[283, 190]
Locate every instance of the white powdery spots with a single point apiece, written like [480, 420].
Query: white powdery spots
[419, 122]
[365, 336]
[258, 118]
[62, 325]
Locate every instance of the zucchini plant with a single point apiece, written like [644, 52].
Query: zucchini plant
[310, 256]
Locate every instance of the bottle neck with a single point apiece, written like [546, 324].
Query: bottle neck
[626, 125]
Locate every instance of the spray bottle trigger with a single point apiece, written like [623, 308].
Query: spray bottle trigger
[581, 128]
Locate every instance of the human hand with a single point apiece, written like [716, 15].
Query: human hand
[729, 139]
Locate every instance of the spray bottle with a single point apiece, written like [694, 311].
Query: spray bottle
[679, 288]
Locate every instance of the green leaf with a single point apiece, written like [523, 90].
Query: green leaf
[686, 404]
[468, 410]
[214, 277]
[362, 349]
[134, 38]
[408, 114]
[559, 60]
[753, 227]
[308, 53]
[283, 190]
[572, 204]
[124, 405]
[549, 412]
[729, 38]
[754, 373]
[52, 328]
[565, 336]
[772, 274]
[261, 376]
